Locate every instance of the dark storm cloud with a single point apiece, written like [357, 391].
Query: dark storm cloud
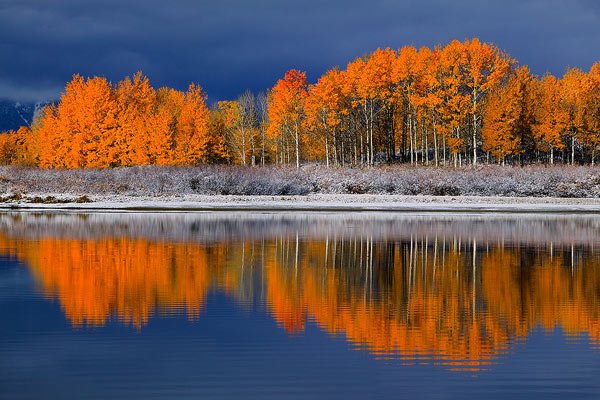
[231, 45]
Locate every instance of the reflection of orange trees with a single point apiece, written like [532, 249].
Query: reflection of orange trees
[95, 279]
[458, 303]
[441, 301]
[389, 299]
[550, 291]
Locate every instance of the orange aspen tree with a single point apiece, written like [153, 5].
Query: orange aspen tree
[218, 128]
[508, 116]
[423, 100]
[375, 90]
[572, 101]
[240, 119]
[169, 103]
[192, 139]
[14, 147]
[45, 137]
[235, 136]
[550, 116]
[455, 104]
[589, 113]
[368, 83]
[324, 112]
[74, 133]
[484, 68]
[159, 131]
[136, 101]
[95, 122]
[22, 154]
[286, 108]
[431, 84]
[8, 148]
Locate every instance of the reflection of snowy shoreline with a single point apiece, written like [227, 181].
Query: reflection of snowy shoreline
[240, 225]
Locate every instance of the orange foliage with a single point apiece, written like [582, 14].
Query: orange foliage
[98, 125]
[15, 147]
[509, 115]
[324, 110]
[429, 105]
[286, 112]
[551, 117]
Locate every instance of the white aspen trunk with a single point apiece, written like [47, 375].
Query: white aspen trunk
[297, 137]
[572, 150]
[474, 143]
[326, 151]
[435, 145]
[335, 156]
[474, 127]
[243, 146]
[444, 149]
[416, 139]
[252, 152]
[362, 159]
[364, 152]
[372, 147]
[262, 155]
[410, 137]
[426, 145]
[287, 147]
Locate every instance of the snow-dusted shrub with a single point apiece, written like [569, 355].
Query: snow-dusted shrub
[489, 180]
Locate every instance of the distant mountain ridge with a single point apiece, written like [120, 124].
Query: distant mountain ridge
[16, 114]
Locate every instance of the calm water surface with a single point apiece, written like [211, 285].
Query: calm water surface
[239, 305]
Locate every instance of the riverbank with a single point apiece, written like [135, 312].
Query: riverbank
[310, 188]
[312, 202]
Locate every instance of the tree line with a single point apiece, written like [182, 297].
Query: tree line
[464, 103]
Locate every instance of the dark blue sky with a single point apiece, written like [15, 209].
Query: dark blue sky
[228, 46]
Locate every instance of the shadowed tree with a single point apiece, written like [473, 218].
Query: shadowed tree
[508, 117]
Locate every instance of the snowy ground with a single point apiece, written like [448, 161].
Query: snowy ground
[399, 180]
[311, 188]
[313, 202]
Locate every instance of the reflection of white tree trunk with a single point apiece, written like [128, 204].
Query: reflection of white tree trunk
[296, 257]
[474, 265]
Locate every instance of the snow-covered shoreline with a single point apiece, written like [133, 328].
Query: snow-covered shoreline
[312, 202]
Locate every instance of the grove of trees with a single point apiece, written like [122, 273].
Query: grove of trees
[464, 103]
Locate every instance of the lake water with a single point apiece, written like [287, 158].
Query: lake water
[259, 305]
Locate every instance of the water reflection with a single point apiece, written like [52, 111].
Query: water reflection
[458, 291]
